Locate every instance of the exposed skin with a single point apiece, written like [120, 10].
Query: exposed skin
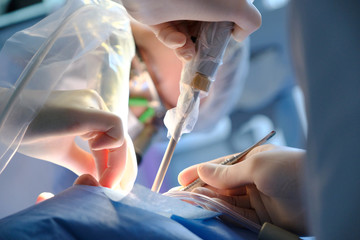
[265, 186]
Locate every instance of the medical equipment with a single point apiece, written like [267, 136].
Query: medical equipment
[230, 161]
[94, 213]
[196, 79]
[83, 45]
[213, 205]
[266, 231]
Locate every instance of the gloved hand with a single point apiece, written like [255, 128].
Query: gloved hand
[85, 179]
[264, 187]
[166, 18]
[67, 114]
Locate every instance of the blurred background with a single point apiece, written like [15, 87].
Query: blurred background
[270, 75]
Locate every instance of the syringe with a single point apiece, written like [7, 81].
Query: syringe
[197, 77]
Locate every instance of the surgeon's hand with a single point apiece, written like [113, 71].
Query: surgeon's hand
[68, 114]
[85, 179]
[168, 19]
[264, 187]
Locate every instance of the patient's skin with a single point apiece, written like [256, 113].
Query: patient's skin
[162, 63]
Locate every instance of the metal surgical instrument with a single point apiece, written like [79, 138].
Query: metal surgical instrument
[230, 161]
[210, 47]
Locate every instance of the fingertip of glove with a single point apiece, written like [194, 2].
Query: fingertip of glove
[207, 168]
[86, 179]
[44, 196]
[175, 40]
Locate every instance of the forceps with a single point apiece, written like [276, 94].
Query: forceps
[230, 161]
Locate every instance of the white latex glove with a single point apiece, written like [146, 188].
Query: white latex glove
[264, 187]
[85, 179]
[168, 19]
[67, 114]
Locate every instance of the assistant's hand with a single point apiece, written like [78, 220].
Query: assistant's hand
[168, 19]
[264, 187]
[68, 114]
[85, 179]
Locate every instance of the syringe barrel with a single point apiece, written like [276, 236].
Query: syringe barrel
[197, 76]
[210, 46]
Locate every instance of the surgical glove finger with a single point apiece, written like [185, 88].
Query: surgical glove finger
[131, 167]
[168, 34]
[189, 174]
[247, 20]
[224, 176]
[233, 176]
[110, 165]
[257, 203]
[117, 167]
[176, 36]
[87, 179]
[240, 204]
[76, 159]
[162, 14]
[44, 196]
[66, 121]
[107, 128]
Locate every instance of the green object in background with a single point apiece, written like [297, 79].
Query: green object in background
[149, 113]
[142, 102]
[138, 102]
